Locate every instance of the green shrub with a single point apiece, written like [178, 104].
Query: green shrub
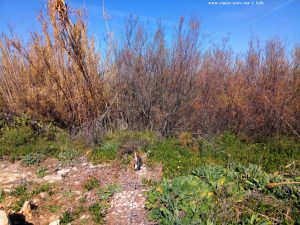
[108, 191]
[33, 158]
[68, 155]
[213, 193]
[272, 155]
[17, 136]
[106, 152]
[67, 217]
[98, 211]
[21, 142]
[112, 142]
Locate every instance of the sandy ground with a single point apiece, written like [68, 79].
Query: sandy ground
[66, 180]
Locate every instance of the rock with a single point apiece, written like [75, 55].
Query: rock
[91, 166]
[74, 169]
[52, 178]
[84, 217]
[35, 201]
[63, 172]
[56, 222]
[44, 195]
[26, 210]
[4, 220]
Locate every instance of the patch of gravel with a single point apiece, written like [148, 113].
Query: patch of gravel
[127, 206]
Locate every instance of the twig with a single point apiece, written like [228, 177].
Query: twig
[272, 185]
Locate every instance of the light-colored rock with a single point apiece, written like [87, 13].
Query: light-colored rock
[44, 195]
[91, 166]
[74, 169]
[63, 172]
[84, 217]
[52, 178]
[56, 222]
[4, 220]
[26, 210]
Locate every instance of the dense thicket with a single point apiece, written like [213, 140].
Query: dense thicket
[148, 82]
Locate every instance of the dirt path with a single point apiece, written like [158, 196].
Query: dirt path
[66, 180]
[127, 206]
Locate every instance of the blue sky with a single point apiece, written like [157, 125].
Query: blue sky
[272, 18]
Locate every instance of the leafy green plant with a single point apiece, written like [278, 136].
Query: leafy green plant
[17, 136]
[98, 211]
[33, 158]
[106, 192]
[255, 219]
[68, 155]
[67, 217]
[46, 187]
[19, 190]
[184, 200]
[202, 198]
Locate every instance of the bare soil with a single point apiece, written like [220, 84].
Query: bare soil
[67, 181]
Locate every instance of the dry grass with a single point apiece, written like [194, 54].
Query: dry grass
[147, 83]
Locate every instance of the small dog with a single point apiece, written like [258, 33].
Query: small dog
[137, 162]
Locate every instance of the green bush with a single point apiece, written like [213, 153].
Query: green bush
[273, 154]
[106, 152]
[17, 136]
[213, 193]
[112, 142]
[33, 158]
[22, 142]
[68, 155]
[98, 211]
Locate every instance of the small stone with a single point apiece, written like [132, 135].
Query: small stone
[63, 172]
[52, 178]
[84, 217]
[91, 166]
[56, 222]
[43, 195]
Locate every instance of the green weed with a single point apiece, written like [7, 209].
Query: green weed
[213, 193]
[54, 208]
[90, 184]
[2, 195]
[176, 159]
[68, 155]
[98, 211]
[272, 154]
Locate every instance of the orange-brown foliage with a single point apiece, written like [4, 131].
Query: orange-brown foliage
[149, 83]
